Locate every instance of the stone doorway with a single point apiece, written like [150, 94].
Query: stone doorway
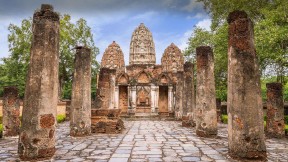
[123, 98]
[163, 99]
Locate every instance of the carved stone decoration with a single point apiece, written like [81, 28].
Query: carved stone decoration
[122, 79]
[143, 95]
[172, 59]
[143, 78]
[142, 48]
[113, 57]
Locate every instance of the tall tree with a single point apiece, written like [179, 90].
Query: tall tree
[271, 37]
[71, 34]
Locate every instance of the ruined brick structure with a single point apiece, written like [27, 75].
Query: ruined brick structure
[37, 134]
[218, 108]
[11, 112]
[80, 118]
[275, 126]
[143, 86]
[244, 102]
[205, 112]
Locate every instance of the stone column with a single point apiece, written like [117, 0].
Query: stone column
[133, 100]
[153, 98]
[188, 88]
[116, 98]
[170, 99]
[205, 113]
[218, 107]
[104, 91]
[129, 98]
[112, 91]
[275, 111]
[11, 112]
[37, 134]
[156, 99]
[80, 122]
[179, 95]
[68, 110]
[244, 102]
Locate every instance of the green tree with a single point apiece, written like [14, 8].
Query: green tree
[71, 34]
[270, 19]
[200, 37]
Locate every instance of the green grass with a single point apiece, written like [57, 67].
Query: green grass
[224, 119]
[60, 118]
[1, 128]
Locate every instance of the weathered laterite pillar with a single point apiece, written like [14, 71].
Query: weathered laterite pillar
[206, 115]
[80, 122]
[68, 110]
[218, 108]
[244, 103]
[104, 91]
[37, 137]
[188, 97]
[179, 95]
[275, 111]
[11, 111]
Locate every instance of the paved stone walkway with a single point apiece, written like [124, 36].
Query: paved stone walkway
[144, 141]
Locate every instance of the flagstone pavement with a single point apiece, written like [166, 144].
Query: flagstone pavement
[144, 141]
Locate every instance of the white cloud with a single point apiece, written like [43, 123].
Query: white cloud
[145, 16]
[192, 6]
[205, 24]
[184, 39]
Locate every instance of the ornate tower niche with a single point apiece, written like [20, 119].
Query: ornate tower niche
[113, 57]
[172, 59]
[142, 48]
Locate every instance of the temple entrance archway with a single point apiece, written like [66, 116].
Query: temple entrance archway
[163, 99]
[123, 98]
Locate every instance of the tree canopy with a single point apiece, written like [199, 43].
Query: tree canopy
[14, 68]
[270, 19]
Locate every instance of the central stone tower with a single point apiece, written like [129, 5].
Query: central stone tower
[142, 48]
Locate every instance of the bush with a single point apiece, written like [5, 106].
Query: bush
[60, 118]
[286, 119]
[265, 118]
[1, 130]
[224, 119]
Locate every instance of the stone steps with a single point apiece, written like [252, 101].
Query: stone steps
[146, 117]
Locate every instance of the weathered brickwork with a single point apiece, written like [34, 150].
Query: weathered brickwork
[37, 137]
[275, 126]
[11, 112]
[205, 113]
[80, 122]
[244, 102]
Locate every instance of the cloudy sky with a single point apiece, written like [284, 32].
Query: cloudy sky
[168, 20]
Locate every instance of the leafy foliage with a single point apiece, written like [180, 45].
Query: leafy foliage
[14, 69]
[271, 39]
[60, 118]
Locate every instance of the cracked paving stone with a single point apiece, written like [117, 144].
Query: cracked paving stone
[144, 141]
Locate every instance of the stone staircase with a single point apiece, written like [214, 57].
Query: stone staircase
[146, 117]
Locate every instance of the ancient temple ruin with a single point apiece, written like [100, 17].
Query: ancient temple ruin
[142, 86]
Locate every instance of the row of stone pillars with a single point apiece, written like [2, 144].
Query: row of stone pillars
[245, 117]
[244, 103]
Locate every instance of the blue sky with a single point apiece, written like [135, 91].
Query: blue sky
[168, 20]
